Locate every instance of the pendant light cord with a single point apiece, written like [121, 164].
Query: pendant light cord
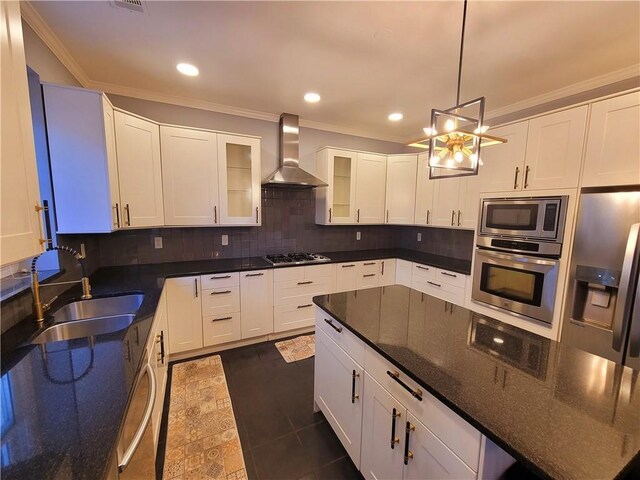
[464, 22]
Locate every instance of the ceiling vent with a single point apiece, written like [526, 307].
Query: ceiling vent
[133, 5]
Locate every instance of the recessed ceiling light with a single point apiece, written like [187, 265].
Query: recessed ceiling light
[311, 97]
[395, 117]
[188, 69]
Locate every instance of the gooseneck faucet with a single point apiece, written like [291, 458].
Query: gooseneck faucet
[38, 307]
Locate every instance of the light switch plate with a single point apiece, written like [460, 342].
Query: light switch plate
[358, 236]
[419, 237]
[225, 239]
[157, 242]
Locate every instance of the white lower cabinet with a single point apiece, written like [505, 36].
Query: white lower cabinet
[338, 392]
[403, 272]
[444, 284]
[256, 303]
[159, 361]
[184, 309]
[221, 328]
[387, 272]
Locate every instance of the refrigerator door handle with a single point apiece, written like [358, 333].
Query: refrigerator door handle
[628, 278]
[634, 330]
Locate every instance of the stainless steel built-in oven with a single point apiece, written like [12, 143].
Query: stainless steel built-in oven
[521, 284]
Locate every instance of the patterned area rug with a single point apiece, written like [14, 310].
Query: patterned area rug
[202, 437]
[297, 348]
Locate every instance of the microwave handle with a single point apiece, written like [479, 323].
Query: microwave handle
[137, 438]
[622, 314]
[515, 256]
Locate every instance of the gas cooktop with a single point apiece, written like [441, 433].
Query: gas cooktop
[299, 258]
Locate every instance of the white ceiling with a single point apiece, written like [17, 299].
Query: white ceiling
[366, 59]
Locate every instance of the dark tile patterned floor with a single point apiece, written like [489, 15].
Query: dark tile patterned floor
[273, 403]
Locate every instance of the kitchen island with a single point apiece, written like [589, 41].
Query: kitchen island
[437, 386]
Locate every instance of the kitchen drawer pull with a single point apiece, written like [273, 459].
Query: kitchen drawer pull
[434, 284]
[369, 263]
[423, 268]
[330, 322]
[254, 274]
[369, 275]
[308, 282]
[449, 274]
[224, 292]
[408, 454]
[305, 306]
[347, 266]
[354, 395]
[415, 393]
[394, 439]
[220, 277]
[221, 319]
[146, 418]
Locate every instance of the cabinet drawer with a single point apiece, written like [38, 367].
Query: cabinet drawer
[451, 278]
[219, 280]
[298, 290]
[367, 280]
[425, 272]
[340, 335]
[318, 271]
[447, 292]
[371, 266]
[460, 437]
[218, 329]
[294, 315]
[220, 300]
[288, 274]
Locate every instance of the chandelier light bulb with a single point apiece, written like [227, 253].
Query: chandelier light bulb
[435, 159]
[449, 125]
[458, 156]
[481, 129]
[428, 131]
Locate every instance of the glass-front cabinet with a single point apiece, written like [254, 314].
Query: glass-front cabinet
[239, 180]
[343, 201]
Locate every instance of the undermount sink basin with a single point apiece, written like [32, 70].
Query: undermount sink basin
[99, 307]
[84, 328]
[96, 316]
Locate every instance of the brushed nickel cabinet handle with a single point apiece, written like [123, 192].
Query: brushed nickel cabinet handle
[434, 284]
[254, 274]
[459, 215]
[117, 209]
[257, 221]
[305, 306]
[195, 286]
[387, 216]
[215, 214]
[453, 216]
[126, 209]
[428, 214]
[329, 215]
[224, 292]
[369, 275]
[515, 180]
[526, 176]
[447, 274]
[423, 268]
[308, 282]
[358, 219]
[221, 318]
[220, 277]
[369, 263]
[348, 266]
[382, 272]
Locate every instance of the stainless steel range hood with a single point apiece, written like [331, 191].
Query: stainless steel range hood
[289, 173]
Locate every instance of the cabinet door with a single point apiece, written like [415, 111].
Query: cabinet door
[388, 272]
[554, 150]
[468, 202]
[338, 392]
[424, 192]
[19, 192]
[429, 457]
[613, 150]
[184, 312]
[347, 276]
[256, 303]
[159, 362]
[239, 173]
[139, 171]
[341, 192]
[189, 176]
[446, 193]
[502, 166]
[401, 189]
[112, 161]
[403, 272]
[370, 188]
[383, 428]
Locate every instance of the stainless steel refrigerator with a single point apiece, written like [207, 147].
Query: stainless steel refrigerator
[603, 300]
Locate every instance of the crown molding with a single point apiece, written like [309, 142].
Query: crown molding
[576, 88]
[50, 39]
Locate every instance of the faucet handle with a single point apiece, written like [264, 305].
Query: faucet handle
[47, 306]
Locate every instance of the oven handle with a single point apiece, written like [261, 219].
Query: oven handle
[137, 438]
[516, 257]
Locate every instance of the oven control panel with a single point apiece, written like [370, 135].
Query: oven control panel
[515, 245]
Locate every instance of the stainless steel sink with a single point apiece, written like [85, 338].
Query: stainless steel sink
[99, 307]
[96, 316]
[84, 328]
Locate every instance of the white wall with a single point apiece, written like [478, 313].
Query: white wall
[43, 61]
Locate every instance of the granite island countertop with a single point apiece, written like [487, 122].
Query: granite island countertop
[63, 403]
[562, 412]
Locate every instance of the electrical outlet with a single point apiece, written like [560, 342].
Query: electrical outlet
[225, 239]
[358, 236]
[157, 242]
[419, 237]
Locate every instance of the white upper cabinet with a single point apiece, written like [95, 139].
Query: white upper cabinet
[82, 152]
[189, 176]
[554, 150]
[139, 171]
[446, 193]
[19, 192]
[356, 190]
[502, 165]
[468, 202]
[613, 149]
[401, 189]
[424, 192]
[370, 188]
[239, 180]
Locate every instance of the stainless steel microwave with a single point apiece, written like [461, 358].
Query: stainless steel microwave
[530, 218]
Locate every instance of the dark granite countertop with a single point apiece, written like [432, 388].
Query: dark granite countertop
[63, 403]
[564, 413]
